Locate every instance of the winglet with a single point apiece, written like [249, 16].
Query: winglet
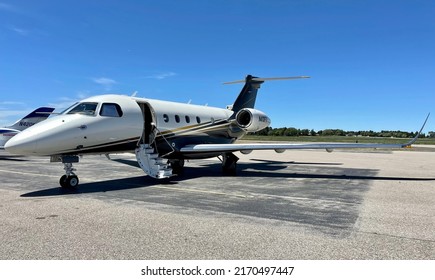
[408, 145]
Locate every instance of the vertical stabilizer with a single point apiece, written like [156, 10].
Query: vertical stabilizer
[34, 117]
[248, 94]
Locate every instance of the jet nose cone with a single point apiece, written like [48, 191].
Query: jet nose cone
[20, 146]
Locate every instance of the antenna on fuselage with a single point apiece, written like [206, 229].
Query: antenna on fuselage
[134, 93]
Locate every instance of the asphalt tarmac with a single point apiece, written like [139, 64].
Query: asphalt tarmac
[295, 205]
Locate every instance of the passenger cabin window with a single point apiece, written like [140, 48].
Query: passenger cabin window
[177, 118]
[165, 118]
[85, 108]
[110, 110]
[198, 120]
[187, 119]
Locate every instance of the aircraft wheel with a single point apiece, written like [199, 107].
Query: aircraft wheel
[72, 181]
[69, 181]
[230, 170]
[177, 166]
[229, 164]
[62, 181]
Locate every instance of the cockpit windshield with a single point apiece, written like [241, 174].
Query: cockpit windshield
[67, 109]
[84, 108]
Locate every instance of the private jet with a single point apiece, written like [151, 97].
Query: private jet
[38, 115]
[162, 134]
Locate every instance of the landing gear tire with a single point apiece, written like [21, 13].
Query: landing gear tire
[69, 182]
[229, 164]
[72, 181]
[177, 166]
[62, 181]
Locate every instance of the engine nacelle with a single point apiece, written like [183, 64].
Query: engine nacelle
[252, 120]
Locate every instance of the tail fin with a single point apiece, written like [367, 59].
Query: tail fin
[248, 95]
[34, 117]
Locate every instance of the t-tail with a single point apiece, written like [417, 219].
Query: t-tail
[248, 94]
[34, 117]
[244, 115]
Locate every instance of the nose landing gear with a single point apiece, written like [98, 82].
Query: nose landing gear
[70, 179]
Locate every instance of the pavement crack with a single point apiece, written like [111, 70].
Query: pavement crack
[397, 236]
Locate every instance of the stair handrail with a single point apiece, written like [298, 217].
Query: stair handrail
[167, 142]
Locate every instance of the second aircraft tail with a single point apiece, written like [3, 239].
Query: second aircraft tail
[34, 117]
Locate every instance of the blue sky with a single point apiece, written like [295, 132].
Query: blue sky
[372, 63]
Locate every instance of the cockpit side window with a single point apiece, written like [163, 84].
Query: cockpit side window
[84, 108]
[110, 110]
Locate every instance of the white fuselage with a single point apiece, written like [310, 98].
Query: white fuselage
[116, 127]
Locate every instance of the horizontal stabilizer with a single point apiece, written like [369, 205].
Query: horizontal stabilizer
[267, 79]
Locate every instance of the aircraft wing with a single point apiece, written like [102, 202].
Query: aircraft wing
[204, 148]
[280, 147]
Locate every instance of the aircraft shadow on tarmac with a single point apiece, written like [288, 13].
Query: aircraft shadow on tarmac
[259, 169]
[12, 158]
[97, 187]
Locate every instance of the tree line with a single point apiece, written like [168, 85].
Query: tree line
[292, 131]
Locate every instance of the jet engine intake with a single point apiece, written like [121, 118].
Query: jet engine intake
[252, 120]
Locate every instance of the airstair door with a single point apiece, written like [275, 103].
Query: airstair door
[146, 152]
[148, 133]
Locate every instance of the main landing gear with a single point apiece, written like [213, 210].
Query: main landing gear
[177, 166]
[229, 164]
[70, 179]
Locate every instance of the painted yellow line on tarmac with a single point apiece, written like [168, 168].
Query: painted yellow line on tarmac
[27, 173]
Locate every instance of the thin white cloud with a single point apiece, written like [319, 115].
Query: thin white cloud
[8, 117]
[83, 94]
[11, 103]
[14, 9]
[105, 82]
[161, 76]
[9, 113]
[20, 31]
[63, 103]
[6, 7]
